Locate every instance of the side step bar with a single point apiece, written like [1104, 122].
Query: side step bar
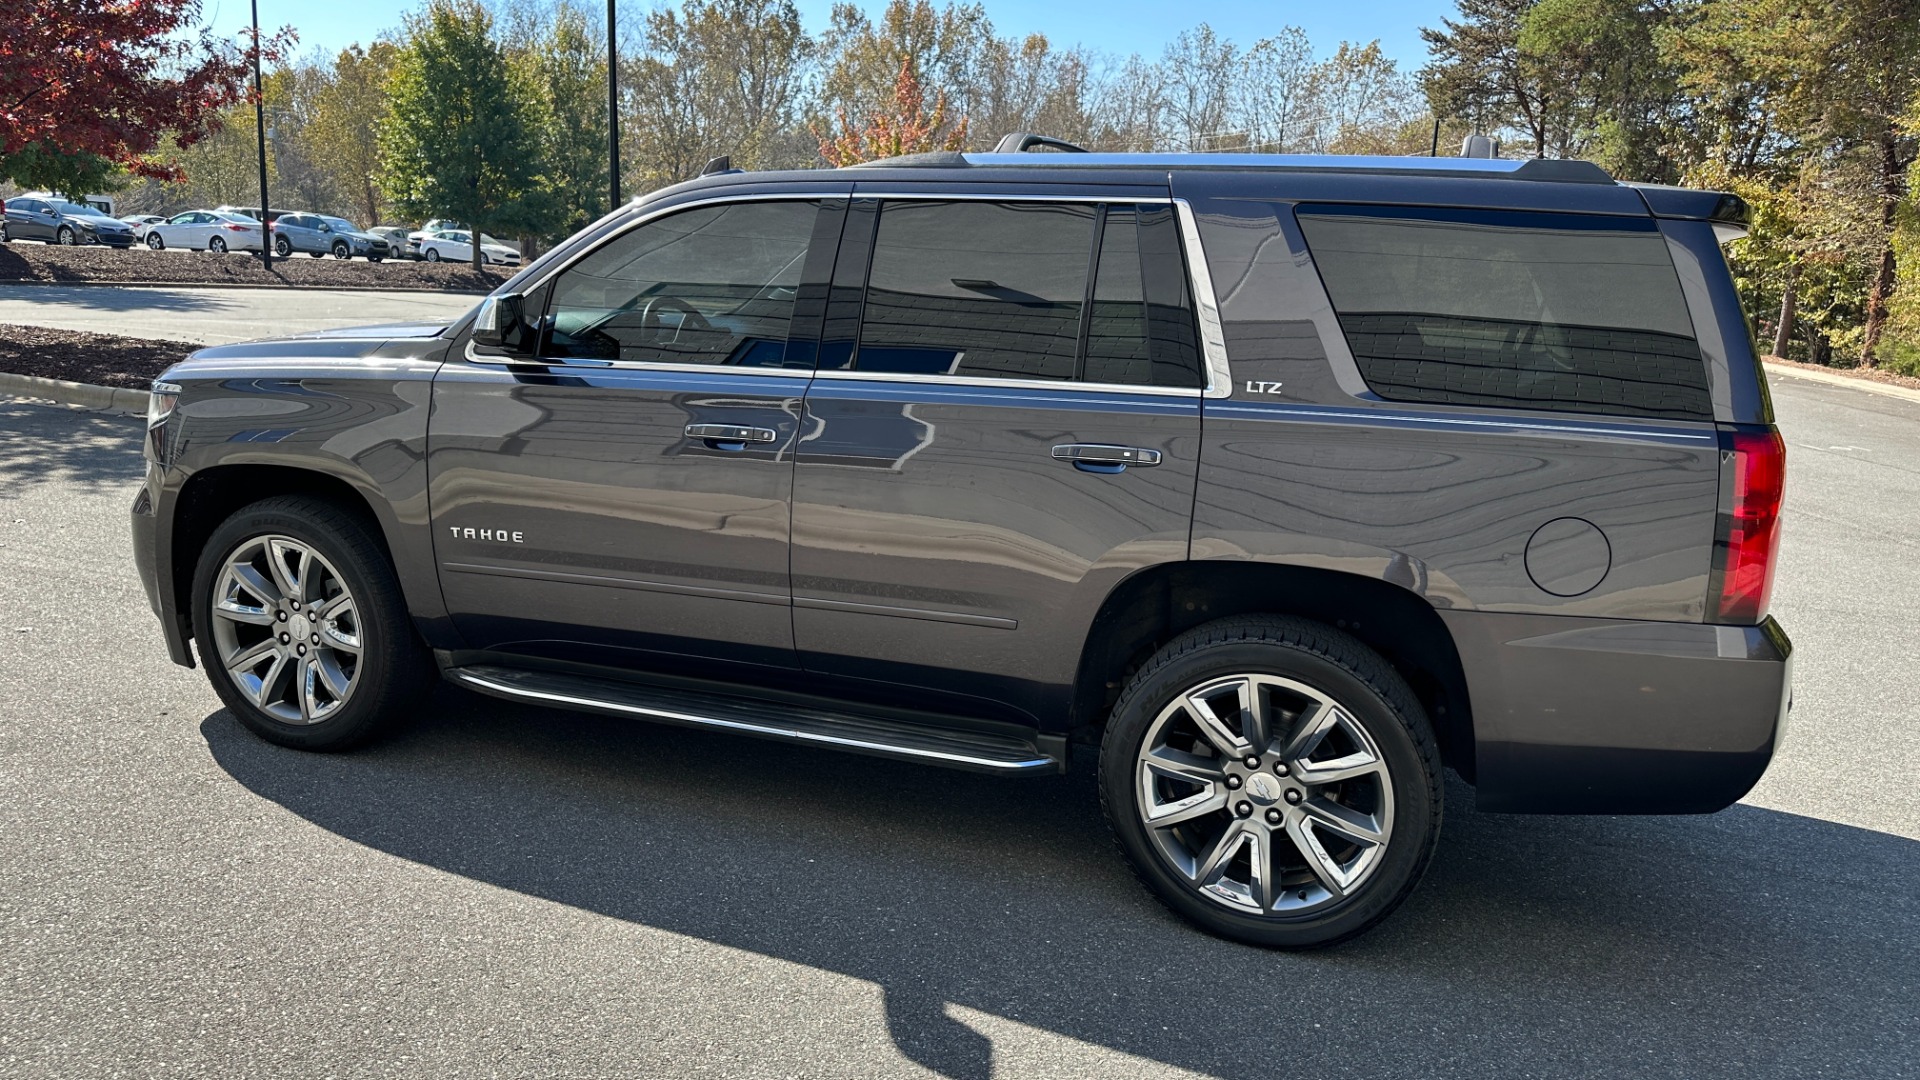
[972, 750]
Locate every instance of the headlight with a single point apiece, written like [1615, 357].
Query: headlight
[160, 403]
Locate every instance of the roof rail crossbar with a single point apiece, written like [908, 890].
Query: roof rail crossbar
[1021, 141]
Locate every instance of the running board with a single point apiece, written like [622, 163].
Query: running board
[860, 734]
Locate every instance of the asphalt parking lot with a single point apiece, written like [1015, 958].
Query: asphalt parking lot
[218, 316]
[515, 892]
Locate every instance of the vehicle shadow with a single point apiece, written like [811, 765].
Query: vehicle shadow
[42, 443]
[1751, 943]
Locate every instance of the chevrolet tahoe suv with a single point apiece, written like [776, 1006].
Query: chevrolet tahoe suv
[1281, 483]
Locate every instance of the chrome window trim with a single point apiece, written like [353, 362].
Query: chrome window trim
[1213, 339]
[1219, 381]
[840, 375]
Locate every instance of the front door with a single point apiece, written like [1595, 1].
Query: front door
[625, 501]
[1005, 425]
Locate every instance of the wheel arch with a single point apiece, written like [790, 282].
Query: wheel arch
[213, 494]
[1155, 605]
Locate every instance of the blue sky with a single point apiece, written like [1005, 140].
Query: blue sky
[1115, 26]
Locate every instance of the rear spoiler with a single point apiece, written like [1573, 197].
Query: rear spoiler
[1730, 215]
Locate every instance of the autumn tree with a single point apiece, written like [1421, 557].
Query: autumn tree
[460, 137]
[905, 126]
[112, 79]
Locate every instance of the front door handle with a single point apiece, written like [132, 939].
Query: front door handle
[1100, 458]
[735, 434]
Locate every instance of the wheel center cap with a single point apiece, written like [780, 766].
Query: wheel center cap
[1263, 789]
[299, 627]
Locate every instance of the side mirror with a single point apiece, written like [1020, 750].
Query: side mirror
[502, 324]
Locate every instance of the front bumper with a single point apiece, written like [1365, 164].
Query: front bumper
[1607, 716]
[148, 559]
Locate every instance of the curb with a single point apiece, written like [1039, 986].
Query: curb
[1855, 382]
[85, 395]
[239, 285]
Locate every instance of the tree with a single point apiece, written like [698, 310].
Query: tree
[111, 78]
[348, 102]
[904, 127]
[74, 175]
[568, 67]
[460, 136]
[717, 77]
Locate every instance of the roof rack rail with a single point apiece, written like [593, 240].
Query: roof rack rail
[1021, 141]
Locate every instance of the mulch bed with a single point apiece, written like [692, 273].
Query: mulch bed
[76, 356]
[1868, 374]
[27, 261]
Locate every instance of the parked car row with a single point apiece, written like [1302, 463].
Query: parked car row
[38, 216]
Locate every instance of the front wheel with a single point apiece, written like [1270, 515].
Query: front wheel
[155, 243]
[433, 254]
[67, 238]
[217, 246]
[300, 624]
[1273, 781]
[340, 252]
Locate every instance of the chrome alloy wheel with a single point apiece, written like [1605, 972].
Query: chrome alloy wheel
[286, 629]
[1266, 794]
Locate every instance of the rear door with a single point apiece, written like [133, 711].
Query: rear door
[627, 498]
[1005, 425]
[31, 221]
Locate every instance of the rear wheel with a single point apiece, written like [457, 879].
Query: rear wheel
[300, 624]
[5, 236]
[1273, 781]
[282, 247]
[217, 246]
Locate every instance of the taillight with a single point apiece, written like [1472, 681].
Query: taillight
[234, 226]
[1748, 544]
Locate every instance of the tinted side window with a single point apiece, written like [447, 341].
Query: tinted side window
[1140, 328]
[976, 288]
[712, 285]
[1519, 310]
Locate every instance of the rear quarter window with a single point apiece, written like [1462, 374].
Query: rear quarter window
[1562, 312]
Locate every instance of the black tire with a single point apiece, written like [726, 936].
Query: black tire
[373, 258]
[1366, 688]
[432, 255]
[217, 246]
[66, 237]
[5, 236]
[283, 247]
[318, 254]
[341, 251]
[394, 668]
[484, 261]
[155, 242]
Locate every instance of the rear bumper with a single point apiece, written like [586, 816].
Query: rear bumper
[1605, 716]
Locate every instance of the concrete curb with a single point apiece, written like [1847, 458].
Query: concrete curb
[85, 395]
[1855, 382]
[239, 285]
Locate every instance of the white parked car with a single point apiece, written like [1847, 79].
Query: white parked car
[456, 245]
[206, 230]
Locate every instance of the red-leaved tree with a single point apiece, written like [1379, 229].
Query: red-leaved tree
[906, 127]
[114, 77]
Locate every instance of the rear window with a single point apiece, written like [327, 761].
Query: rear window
[1564, 312]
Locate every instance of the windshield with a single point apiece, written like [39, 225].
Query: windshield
[71, 209]
[485, 239]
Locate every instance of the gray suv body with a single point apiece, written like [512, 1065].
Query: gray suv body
[1284, 482]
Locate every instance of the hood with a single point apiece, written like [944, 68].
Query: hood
[387, 331]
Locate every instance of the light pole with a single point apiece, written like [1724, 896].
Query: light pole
[260, 128]
[613, 105]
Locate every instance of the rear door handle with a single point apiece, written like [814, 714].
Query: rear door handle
[1097, 457]
[731, 433]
